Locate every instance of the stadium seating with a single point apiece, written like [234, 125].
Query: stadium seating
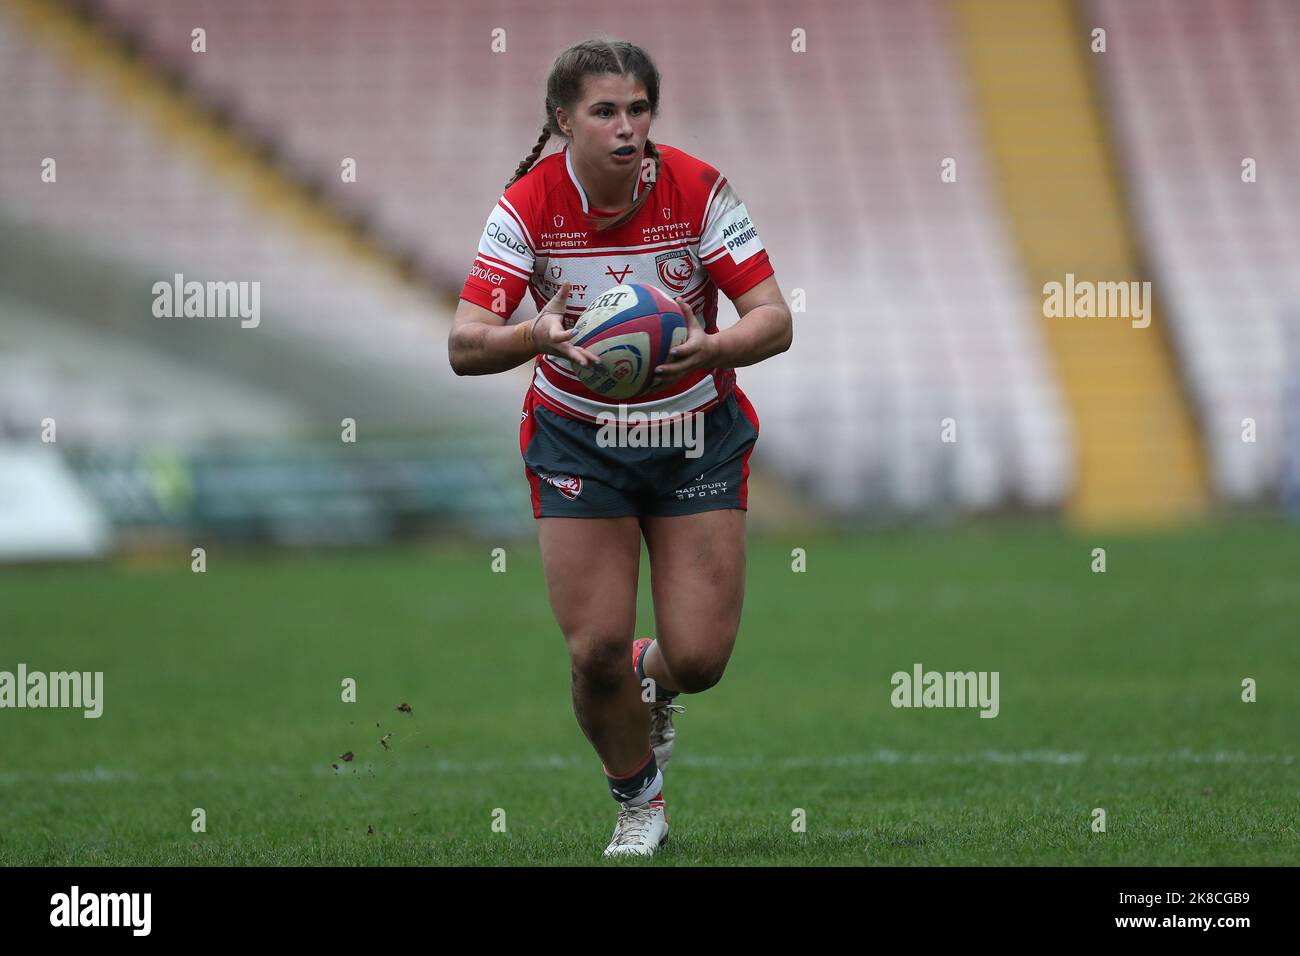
[133, 191]
[915, 309]
[1196, 88]
[101, 391]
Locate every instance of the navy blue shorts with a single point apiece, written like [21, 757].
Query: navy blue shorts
[576, 470]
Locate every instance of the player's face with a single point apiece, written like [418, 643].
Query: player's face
[613, 115]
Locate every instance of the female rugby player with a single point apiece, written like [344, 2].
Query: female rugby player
[613, 207]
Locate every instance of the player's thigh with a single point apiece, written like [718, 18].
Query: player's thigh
[697, 573]
[591, 567]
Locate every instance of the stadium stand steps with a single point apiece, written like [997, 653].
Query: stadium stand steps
[1200, 90]
[1138, 452]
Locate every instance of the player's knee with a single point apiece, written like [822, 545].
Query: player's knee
[601, 664]
[694, 673]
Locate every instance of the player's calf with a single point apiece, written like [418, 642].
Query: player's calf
[663, 734]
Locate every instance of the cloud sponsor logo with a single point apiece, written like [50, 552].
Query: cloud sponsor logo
[498, 233]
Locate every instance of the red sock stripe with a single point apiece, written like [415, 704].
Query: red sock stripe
[644, 763]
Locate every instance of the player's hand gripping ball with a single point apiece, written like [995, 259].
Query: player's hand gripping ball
[631, 329]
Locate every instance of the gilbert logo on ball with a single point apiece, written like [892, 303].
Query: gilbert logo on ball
[631, 328]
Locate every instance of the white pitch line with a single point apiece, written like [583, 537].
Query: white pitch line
[582, 761]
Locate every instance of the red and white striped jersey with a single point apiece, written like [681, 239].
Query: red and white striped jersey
[693, 237]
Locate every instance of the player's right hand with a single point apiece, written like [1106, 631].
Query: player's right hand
[552, 338]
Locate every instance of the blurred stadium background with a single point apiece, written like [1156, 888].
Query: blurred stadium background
[923, 302]
[923, 298]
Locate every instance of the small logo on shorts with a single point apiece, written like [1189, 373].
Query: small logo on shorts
[567, 485]
[705, 490]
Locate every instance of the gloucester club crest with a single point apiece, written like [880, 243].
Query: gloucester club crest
[568, 485]
[675, 269]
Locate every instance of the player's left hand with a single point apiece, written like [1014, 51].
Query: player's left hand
[700, 350]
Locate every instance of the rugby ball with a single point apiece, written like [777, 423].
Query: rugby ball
[631, 328]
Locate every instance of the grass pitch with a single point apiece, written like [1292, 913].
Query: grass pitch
[1120, 691]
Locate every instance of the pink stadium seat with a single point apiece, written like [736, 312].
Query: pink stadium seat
[916, 310]
[1196, 86]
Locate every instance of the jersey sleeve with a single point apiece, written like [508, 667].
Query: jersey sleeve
[499, 276]
[730, 247]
